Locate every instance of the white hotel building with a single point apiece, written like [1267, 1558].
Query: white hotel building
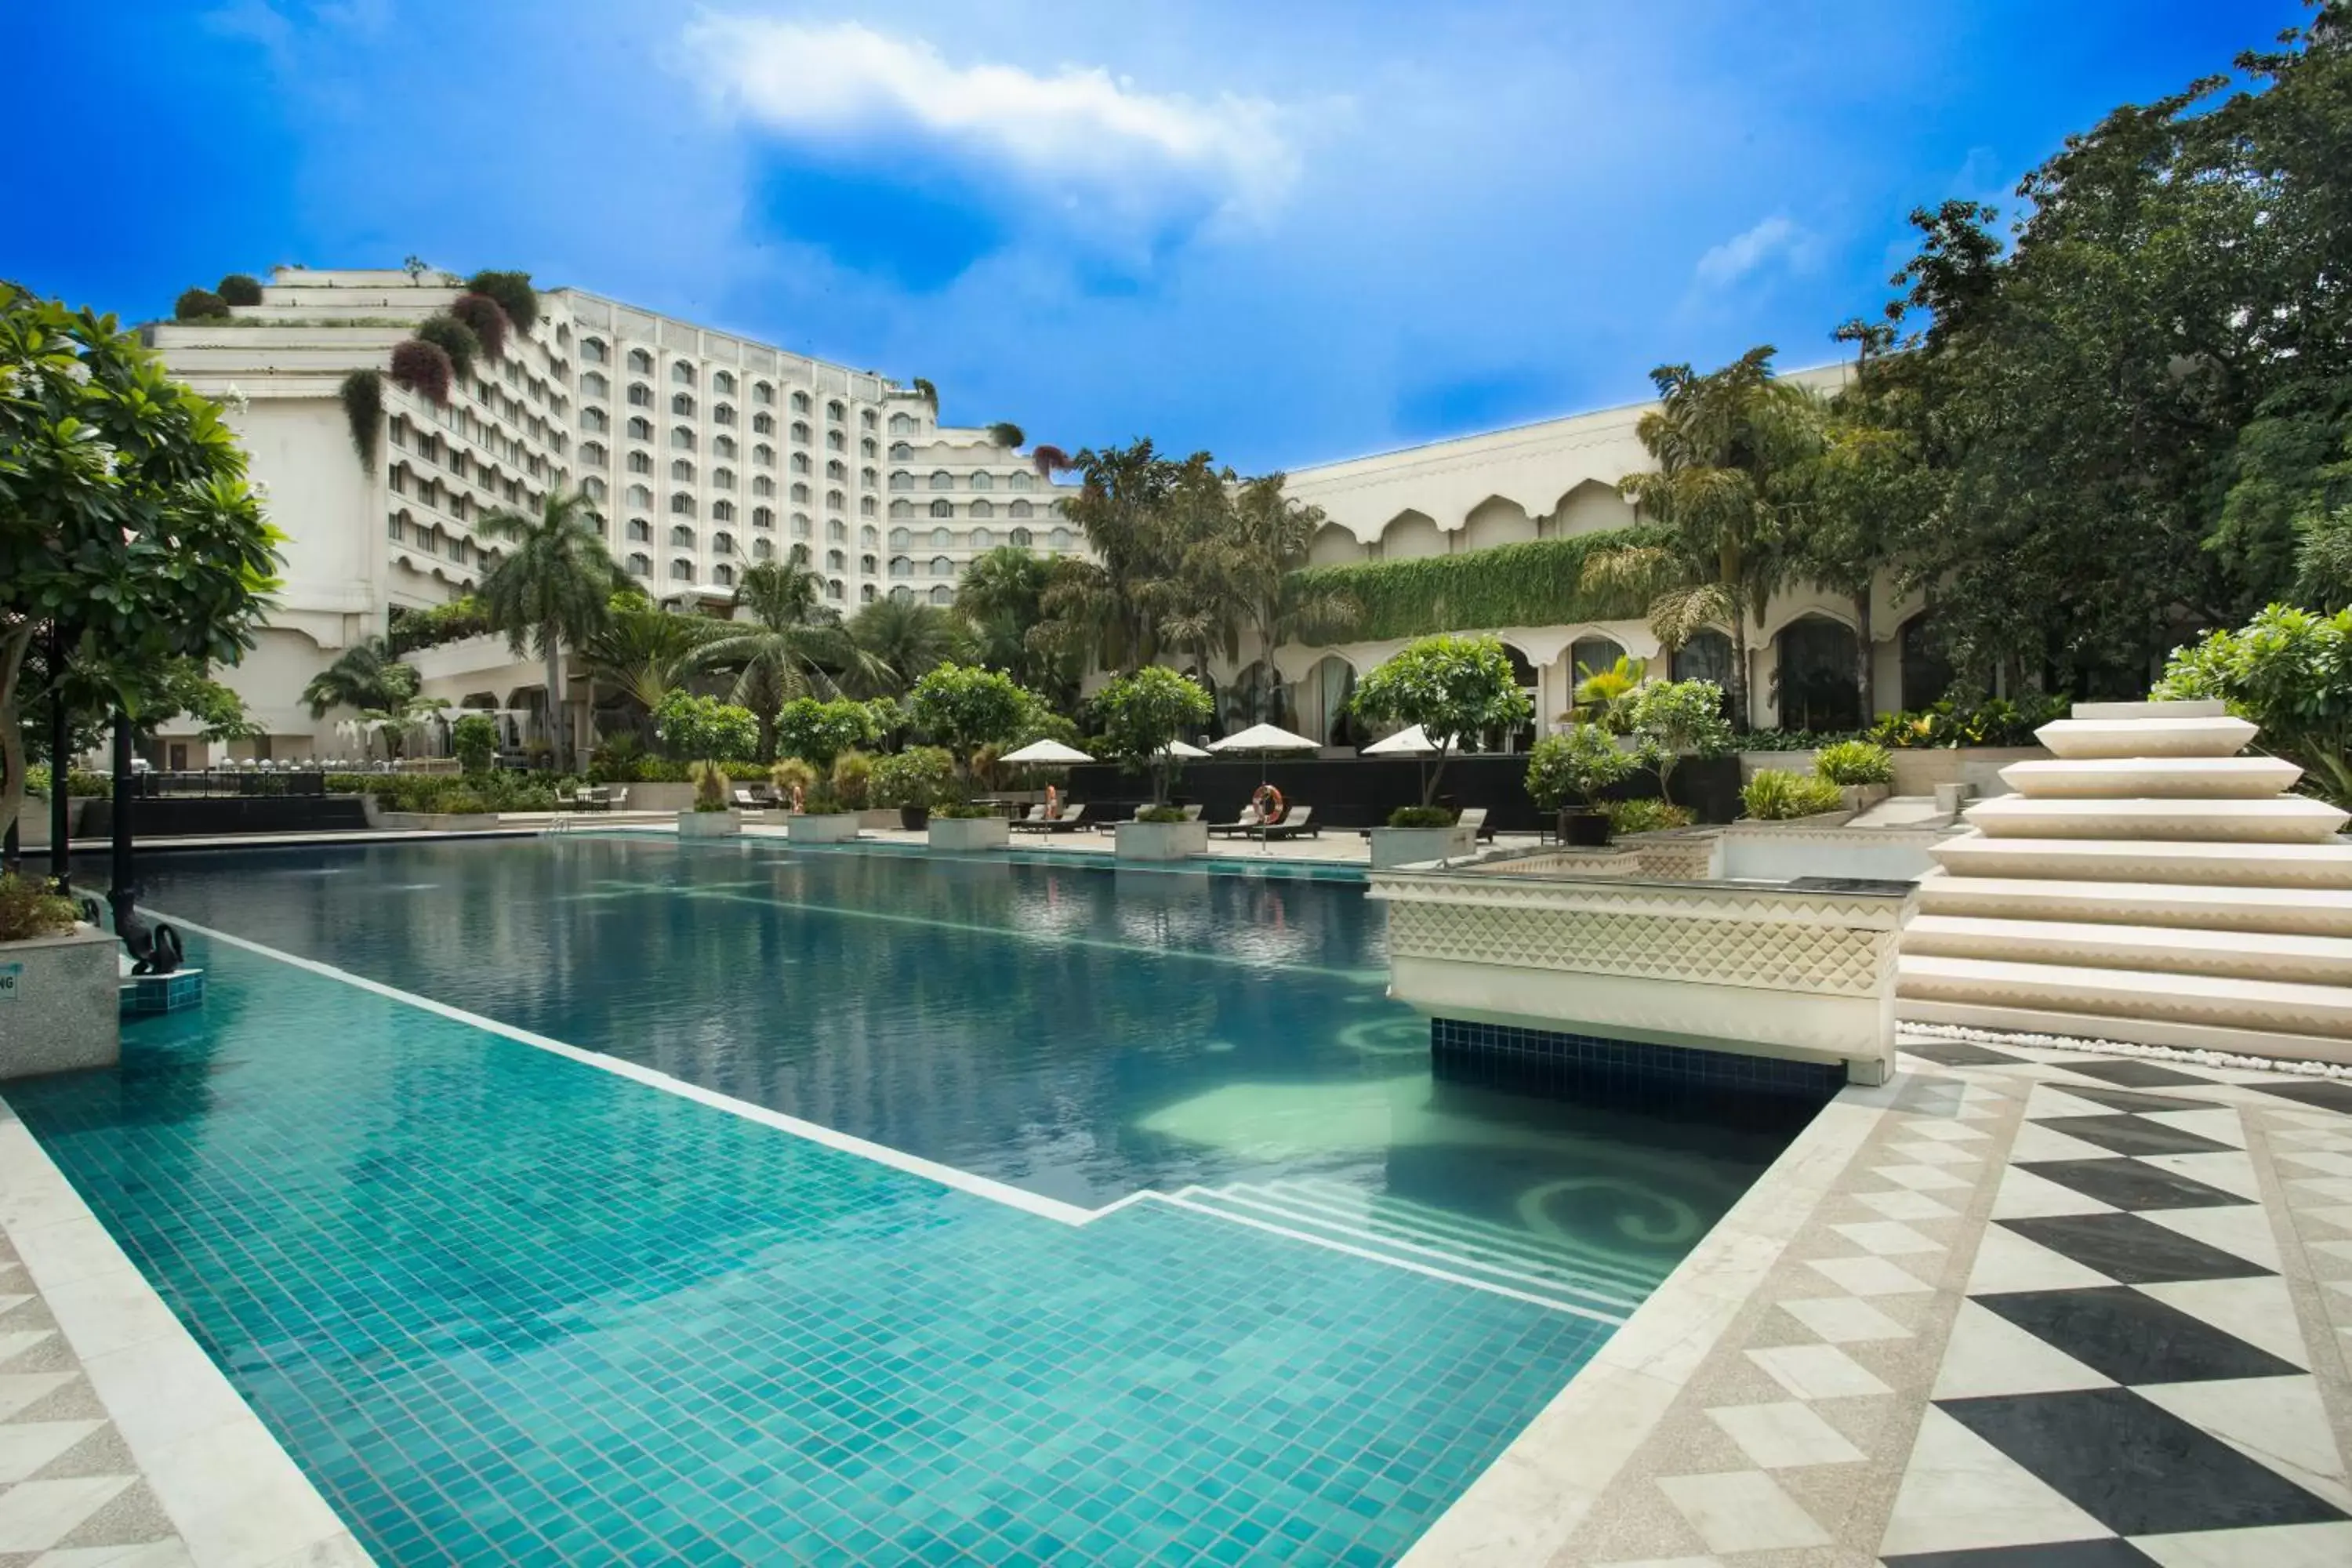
[706, 452]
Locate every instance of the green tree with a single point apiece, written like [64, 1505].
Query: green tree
[1673, 719]
[964, 708]
[475, 738]
[900, 640]
[1575, 767]
[1452, 687]
[125, 517]
[818, 732]
[644, 652]
[551, 591]
[363, 676]
[1001, 597]
[2290, 672]
[790, 645]
[705, 730]
[1723, 442]
[1140, 713]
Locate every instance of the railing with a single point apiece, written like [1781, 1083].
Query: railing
[256, 781]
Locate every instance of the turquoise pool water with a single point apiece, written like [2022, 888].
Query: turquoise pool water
[502, 1306]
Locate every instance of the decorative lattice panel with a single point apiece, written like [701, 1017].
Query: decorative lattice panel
[1841, 961]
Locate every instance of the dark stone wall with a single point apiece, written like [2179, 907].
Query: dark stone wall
[1360, 792]
[173, 816]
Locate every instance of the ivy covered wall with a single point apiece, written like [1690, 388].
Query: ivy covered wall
[1537, 583]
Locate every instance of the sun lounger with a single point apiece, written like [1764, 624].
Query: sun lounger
[1070, 821]
[1037, 821]
[1474, 818]
[746, 801]
[1294, 824]
[1245, 824]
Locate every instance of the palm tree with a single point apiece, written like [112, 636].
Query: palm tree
[646, 652]
[1722, 441]
[790, 646]
[553, 588]
[902, 642]
[364, 674]
[1001, 596]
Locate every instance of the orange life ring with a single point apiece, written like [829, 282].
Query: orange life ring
[1268, 802]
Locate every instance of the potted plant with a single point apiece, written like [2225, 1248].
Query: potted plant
[913, 781]
[1670, 719]
[1451, 686]
[1863, 772]
[967, 710]
[1567, 773]
[58, 983]
[713, 814]
[822, 819]
[705, 732]
[1140, 713]
[1775, 795]
[960, 825]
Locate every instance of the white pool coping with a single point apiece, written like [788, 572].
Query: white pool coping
[234, 1495]
[1524, 1507]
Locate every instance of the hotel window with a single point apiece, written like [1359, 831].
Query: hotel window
[902, 508]
[868, 537]
[764, 455]
[682, 471]
[942, 594]
[764, 517]
[981, 481]
[800, 556]
[834, 441]
[640, 395]
[640, 564]
[762, 485]
[723, 447]
[800, 525]
[592, 349]
[835, 530]
[593, 487]
[901, 567]
[1019, 509]
[681, 538]
[722, 512]
[722, 414]
[901, 452]
[723, 479]
[723, 383]
[865, 593]
[837, 470]
[681, 571]
[640, 495]
[868, 477]
[593, 419]
[982, 509]
[835, 560]
[641, 429]
[981, 539]
[902, 425]
[800, 432]
[900, 479]
[832, 501]
[681, 373]
[1024, 481]
[943, 508]
[798, 463]
[592, 456]
[764, 550]
[641, 361]
[1059, 539]
[722, 545]
[942, 539]
[763, 392]
[800, 402]
[640, 531]
[682, 404]
[681, 504]
[641, 462]
[763, 424]
[681, 438]
[943, 480]
[835, 411]
[835, 588]
[865, 418]
[723, 574]
[594, 384]
[866, 565]
[902, 596]
[1021, 539]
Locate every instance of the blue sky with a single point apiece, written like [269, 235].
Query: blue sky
[1287, 233]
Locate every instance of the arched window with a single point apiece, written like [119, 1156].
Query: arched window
[868, 537]
[640, 564]
[800, 402]
[681, 571]
[983, 509]
[762, 485]
[763, 455]
[869, 477]
[594, 419]
[640, 395]
[941, 539]
[800, 495]
[981, 539]
[866, 593]
[942, 594]
[639, 496]
[800, 525]
[835, 589]
[593, 351]
[641, 429]
[681, 504]
[724, 382]
[722, 545]
[868, 447]
[681, 438]
[1706, 657]
[682, 403]
[866, 565]
[764, 550]
[837, 470]
[1019, 509]
[799, 462]
[834, 411]
[983, 482]
[901, 567]
[902, 596]
[723, 479]
[681, 537]
[834, 441]
[902, 508]
[902, 539]
[1590, 656]
[800, 432]
[640, 531]
[835, 560]
[800, 556]
[943, 508]
[901, 452]
[723, 447]
[902, 425]
[681, 373]
[764, 517]
[943, 480]
[1021, 539]
[763, 392]
[641, 462]
[1024, 481]
[902, 480]
[763, 424]
[594, 384]
[592, 454]
[833, 500]
[722, 414]
[641, 361]
[592, 487]
[942, 567]
[722, 512]
[682, 471]
[836, 531]
[723, 574]
[865, 418]
[1059, 539]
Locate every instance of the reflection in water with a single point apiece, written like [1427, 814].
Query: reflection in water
[1073, 1030]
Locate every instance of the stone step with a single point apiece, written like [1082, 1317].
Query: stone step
[2153, 778]
[2223, 1001]
[2167, 950]
[2284, 819]
[2306, 912]
[2132, 1031]
[2327, 865]
[2208, 736]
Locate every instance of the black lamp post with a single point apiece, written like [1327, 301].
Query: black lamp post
[121, 894]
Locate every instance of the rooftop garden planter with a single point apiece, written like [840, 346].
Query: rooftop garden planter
[822, 827]
[967, 833]
[699, 824]
[1159, 840]
[1412, 845]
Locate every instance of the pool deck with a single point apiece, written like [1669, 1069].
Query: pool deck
[122, 1446]
[2014, 1298]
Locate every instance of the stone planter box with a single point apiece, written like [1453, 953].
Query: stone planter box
[830, 828]
[968, 832]
[59, 1003]
[882, 816]
[658, 796]
[1159, 840]
[709, 823]
[436, 821]
[1412, 845]
[1860, 799]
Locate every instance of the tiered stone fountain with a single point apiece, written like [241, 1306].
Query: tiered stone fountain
[2148, 885]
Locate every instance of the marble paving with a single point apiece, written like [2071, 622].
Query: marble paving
[2060, 1311]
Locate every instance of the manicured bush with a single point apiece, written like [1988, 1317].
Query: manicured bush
[1166, 813]
[1855, 763]
[817, 733]
[474, 738]
[1141, 712]
[239, 289]
[422, 368]
[919, 776]
[709, 781]
[453, 337]
[79, 782]
[1456, 688]
[1674, 718]
[2289, 672]
[1423, 816]
[199, 305]
[703, 729]
[28, 909]
[852, 779]
[1573, 769]
[513, 292]
[1995, 722]
[483, 317]
[1776, 795]
[1645, 815]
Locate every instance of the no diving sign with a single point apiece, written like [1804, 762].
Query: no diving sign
[12, 976]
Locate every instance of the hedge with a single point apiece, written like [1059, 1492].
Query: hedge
[1536, 583]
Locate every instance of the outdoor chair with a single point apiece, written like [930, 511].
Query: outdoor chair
[1033, 821]
[1474, 818]
[1245, 824]
[746, 801]
[617, 800]
[1070, 821]
[1294, 824]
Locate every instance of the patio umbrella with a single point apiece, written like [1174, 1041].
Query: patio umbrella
[1412, 742]
[1183, 750]
[1264, 740]
[1046, 753]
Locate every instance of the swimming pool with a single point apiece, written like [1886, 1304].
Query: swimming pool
[502, 1306]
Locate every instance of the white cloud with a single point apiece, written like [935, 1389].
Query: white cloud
[1777, 238]
[1078, 132]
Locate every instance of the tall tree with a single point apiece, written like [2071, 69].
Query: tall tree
[785, 642]
[1001, 596]
[644, 652]
[551, 591]
[901, 641]
[1724, 442]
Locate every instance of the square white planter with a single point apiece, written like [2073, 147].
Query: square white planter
[709, 823]
[1860, 799]
[968, 832]
[1160, 840]
[1412, 845]
[60, 1007]
[832, 827]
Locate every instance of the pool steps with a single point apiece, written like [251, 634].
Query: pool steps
[2149, 885]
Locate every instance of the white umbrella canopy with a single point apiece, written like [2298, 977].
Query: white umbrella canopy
[1412, 743]
[1179, 749]
[1265, 738]
[1046, 753]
